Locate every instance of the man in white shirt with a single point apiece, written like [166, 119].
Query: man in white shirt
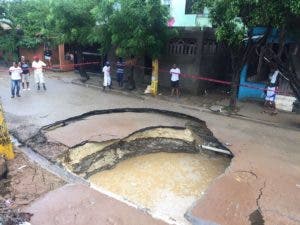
[15, 75]
[106, 78]
[175, 72]
[271, 90]
[37, 66]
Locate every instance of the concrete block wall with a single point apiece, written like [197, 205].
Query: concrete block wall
[188, 64]
[284, 103]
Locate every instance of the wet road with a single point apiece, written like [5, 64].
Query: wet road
[267, 158]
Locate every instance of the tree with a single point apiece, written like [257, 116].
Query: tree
[73, 23]
[233, 18]
[7, 36]
[133, 27]
[28, 29]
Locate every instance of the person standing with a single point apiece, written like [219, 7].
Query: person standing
[175, 72]
[106, 78]
[271, 90]
[37, 66]
[25, 74]
[15, 75]
[120, 71]
[48, 55]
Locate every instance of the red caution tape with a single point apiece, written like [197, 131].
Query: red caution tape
[191, 76]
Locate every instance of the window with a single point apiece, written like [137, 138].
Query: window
[183, 46]
[210, 46]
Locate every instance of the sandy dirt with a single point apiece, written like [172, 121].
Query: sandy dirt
[26, 182]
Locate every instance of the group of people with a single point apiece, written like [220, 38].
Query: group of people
[120, 74]
[20, 73]
[174, 72]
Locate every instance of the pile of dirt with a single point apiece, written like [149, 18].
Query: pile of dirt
[25, 182]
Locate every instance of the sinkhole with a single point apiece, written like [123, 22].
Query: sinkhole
[151, 158]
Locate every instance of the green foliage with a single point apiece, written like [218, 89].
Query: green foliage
[8, 45]
[29, 18]
[102, 13]
[72, 21]
[231, 18]
[224, 18]
[134, 27]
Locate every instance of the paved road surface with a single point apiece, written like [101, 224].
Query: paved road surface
[264, 174]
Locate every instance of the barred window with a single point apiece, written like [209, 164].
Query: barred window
[184, 46]
[210, 46]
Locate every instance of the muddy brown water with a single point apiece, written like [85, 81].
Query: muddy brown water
[165, 183]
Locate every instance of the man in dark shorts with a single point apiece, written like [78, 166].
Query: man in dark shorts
[175, 72]
[48, 56]
[25, 73]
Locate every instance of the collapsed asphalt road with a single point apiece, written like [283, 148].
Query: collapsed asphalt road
[104, 138]
[266, 157]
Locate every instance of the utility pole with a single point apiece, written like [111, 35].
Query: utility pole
[154, 79]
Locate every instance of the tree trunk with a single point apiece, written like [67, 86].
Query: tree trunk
[234, 91]
[260, 60]
[154, 77]
[234, 81]
[131, 81]
[239, 57]
[281, 42]
[287, 71]
[290, 73]
[81, 67]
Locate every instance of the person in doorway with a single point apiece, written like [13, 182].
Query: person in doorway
[106, 78]
[15, 75]
[37, 66]
[271, 90]
[120, 71]
[48, 55]
[25, 73]
[175, 72]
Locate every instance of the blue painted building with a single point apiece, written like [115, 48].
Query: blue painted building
[252, 85]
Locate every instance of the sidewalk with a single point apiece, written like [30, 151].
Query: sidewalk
[215, 101]
[78, 204]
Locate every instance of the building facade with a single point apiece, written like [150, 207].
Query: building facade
[195, 50]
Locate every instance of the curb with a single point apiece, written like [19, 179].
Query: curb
[195, 108]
